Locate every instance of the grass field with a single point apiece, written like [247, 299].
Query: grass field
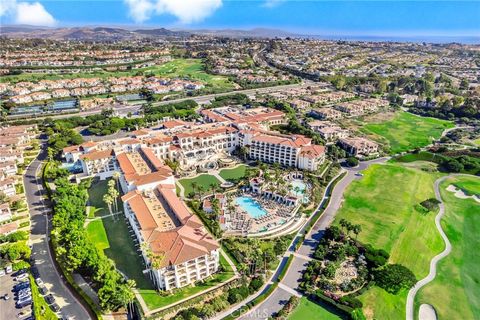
[203, 182]
[406, 131]
[307, 309]
[96, 232]
[118, 245]
[477, 142]
[455, 292]
[469, 186]
[382, 202]
[192, 68]
[235, 173]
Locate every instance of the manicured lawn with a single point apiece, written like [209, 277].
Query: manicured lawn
[95, 198]
[155, 300]
[382, 202]
[96, 232]
[121, 248]
[193, 69]
[455, 292]
[203, 182]
[307, 309]
[235, 173]
[407, 131]
[477, 142]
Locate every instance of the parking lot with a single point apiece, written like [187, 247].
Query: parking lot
[8, 309]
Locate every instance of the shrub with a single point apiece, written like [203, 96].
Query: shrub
[24, 224]
[352, 302]
[394, 277]
[375, 257]
[352, 162]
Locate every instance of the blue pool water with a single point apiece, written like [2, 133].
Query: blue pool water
[73, 167]
[301, 191]
[253, 208]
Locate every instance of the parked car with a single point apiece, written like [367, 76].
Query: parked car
[25, 302]
[24, 295]
[43, 290]
[2, 272]
[21, 285]
[21, 277]
[6, 296]
[34, 271]
[39, 282]
[50, 299]
[55, 307]
[8, 269]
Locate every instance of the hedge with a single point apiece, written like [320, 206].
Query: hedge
[285, 268]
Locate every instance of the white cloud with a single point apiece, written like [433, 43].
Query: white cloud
[7, 7]
[187, 11]
[33, 14]
[29, 13]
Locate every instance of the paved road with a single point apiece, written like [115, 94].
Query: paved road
[291, 280]
[410, 308]
[70, 306]
[199, 99]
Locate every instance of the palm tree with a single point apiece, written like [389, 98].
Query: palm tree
[116, 177]
[109, 201]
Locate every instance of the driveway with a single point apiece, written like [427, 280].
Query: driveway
[69, 304]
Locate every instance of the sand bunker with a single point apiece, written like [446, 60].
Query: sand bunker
[427, 312]
[460, 194]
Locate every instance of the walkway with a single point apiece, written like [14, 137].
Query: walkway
[410, 311]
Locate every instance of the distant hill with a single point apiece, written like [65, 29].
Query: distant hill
[162, 32]
[111, 33]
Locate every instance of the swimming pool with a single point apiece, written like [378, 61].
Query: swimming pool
[299, 188]
[252, 207]
[75, 167]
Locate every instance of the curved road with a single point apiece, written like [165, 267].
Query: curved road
[290, 282]
[410, 307]
[70, 306]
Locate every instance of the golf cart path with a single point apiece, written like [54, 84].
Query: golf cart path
[410, 311]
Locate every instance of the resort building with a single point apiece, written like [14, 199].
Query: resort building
[359, 147]
[290, 151]
[142, 170]
[180, 250]
[99, 163]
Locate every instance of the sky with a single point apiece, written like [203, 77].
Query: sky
[315, 17]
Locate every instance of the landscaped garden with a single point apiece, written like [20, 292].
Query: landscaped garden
[233, 174]
[383, 203]
[202, 183]
[455, 291]
[406, 131]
